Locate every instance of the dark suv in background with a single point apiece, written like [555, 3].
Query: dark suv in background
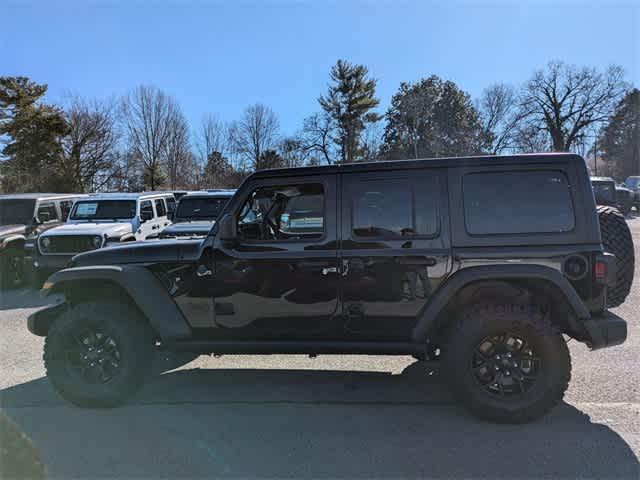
[196, 213]
[608, 192]
[22, 218]
[482, 265]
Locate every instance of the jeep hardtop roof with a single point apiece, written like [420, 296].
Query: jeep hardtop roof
[41, 196]
[209, 194]
[127, 195]
[602, 179]
[470, 161]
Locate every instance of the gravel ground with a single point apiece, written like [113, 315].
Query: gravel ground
[333, 416]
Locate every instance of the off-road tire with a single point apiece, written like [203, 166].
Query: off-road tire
[135, 341]
[12, 268]
[617, 239]
[481, 320]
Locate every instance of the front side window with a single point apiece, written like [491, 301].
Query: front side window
[146, 210]
[103, 210]
[395, 208]
[47, 212]
[289, 212]
[517, 202]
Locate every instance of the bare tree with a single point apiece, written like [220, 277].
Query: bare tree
[372, 141]
[149, 115]
[499, 117]
[317, 137]
[89, 150]
[213, 136]
[565, 100]
[255, 133]
[177, 151]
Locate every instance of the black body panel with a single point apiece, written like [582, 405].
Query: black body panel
[145, 252]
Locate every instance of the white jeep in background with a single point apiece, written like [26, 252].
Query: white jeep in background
[97, 221]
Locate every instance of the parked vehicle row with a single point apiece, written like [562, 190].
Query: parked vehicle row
[40, 233]
[481, 264]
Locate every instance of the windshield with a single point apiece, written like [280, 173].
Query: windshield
[16, 211]
[103, 210]
[203, 208]
[632, 182]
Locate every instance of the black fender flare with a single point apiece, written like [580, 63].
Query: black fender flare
[144, 288]
[5, 242]
[469, 275]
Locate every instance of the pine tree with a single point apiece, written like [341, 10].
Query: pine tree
[32, 131]
[349, 102]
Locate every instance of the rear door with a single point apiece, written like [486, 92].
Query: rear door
[395, 249]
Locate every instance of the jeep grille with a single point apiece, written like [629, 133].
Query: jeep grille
[70, 244]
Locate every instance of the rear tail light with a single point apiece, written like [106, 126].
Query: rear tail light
[600, 270]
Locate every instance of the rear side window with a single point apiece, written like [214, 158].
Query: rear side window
[517, 202]
[395, 208]
[171, 204]
[161, 210]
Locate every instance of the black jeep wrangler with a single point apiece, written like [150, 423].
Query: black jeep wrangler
[486, 265]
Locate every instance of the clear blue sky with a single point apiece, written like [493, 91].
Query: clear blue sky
[220, 56]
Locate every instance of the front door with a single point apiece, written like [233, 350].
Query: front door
[395, 249]
[279, 279]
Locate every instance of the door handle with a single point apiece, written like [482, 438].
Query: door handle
[155, 227]
[417, 260]
[328, 270]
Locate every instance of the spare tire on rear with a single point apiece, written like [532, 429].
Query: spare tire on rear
[616, 239]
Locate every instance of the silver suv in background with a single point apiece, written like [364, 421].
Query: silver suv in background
[97, 221]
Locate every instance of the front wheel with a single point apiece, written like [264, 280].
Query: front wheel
[12, 269]
[507, 363]
[97, 354]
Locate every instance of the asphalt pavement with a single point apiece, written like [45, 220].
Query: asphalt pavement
[328, 417]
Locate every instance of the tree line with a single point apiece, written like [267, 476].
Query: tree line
[143, 140]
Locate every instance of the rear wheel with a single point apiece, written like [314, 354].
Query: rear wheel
[617, 239]
[506, 363]
[97, 354]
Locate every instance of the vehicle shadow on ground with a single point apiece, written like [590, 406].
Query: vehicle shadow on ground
[24, 298]
[306, 423]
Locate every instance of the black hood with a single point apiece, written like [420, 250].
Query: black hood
[150, 251]
[195, 228]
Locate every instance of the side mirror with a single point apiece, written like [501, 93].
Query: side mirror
[227, 228]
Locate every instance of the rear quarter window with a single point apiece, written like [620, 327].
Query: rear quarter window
[517, 202]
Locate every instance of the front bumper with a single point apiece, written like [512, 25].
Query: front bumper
[47, 263]
[605, 330]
